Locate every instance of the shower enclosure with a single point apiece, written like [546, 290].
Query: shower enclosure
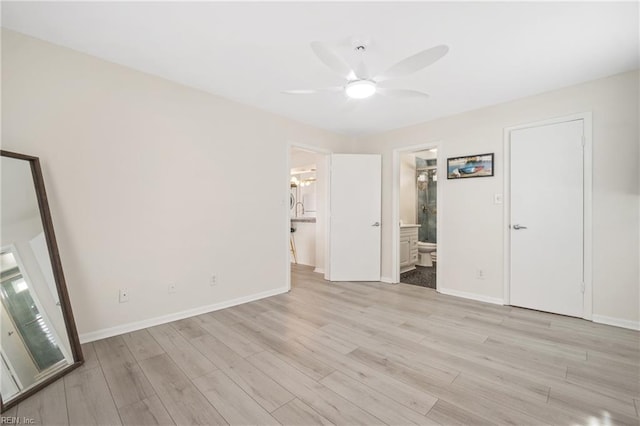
[426, 187]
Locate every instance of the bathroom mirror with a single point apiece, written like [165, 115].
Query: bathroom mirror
[38, 337]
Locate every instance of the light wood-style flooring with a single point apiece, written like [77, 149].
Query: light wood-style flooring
[351, 354]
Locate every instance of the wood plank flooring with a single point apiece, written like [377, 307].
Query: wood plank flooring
[354, 353]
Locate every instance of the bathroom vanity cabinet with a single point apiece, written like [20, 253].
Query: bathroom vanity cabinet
[408, 247]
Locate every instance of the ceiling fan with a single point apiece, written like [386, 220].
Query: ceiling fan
[359, 84]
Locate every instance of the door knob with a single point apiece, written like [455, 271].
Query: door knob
[516, 227]
[376, 224]
[10, 333]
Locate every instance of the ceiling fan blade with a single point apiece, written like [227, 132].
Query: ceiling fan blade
[402, 93]
[332, 60]
[414, 63]
[312, 91]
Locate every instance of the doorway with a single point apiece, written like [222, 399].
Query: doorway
[416, 214]
[548, 188]
[307, 199]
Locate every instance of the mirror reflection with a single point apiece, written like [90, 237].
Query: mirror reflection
[34, 344]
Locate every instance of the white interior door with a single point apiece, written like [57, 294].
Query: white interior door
[354, 239]
[23, 367]
[8, 385]
[547, 232]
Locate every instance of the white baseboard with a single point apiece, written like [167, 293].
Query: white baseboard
[472, 296]
[319, 271]
[617, 322]
[387, 280]
[139, 325]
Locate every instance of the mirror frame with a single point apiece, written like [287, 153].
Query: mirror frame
[61, 286]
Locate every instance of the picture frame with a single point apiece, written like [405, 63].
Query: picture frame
[470, 166]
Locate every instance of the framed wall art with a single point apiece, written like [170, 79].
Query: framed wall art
[470, 166]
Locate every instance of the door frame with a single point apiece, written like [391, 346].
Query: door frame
[395, 214]
[587, 258]
[285, 202]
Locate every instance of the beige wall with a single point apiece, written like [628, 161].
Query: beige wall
[144, 184]
[143, 180]
[475, 241]
[302, 158]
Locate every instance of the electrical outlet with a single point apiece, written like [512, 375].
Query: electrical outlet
[480, 274]
[172, 288]
[124, 295]
[214, 280]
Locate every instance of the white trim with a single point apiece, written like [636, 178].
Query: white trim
[587, 120]
[388, 280]
[588, 216]
[318, 271]
[139, 325]
[327, 224]
[395, 201]
[472, 296]
[506, 217]
[617, 322]
[395, 216]
[287, 218]
[285, 201]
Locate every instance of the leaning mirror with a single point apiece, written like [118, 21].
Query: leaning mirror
[38, 337]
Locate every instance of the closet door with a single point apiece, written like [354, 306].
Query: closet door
[547, 235]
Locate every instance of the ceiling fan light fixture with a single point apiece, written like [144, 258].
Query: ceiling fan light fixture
[360, 89]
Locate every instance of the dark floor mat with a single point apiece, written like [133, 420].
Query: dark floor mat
[422, 276]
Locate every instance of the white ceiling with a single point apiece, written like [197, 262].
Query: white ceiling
[250, 52]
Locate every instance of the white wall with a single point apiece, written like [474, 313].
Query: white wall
[408, 189]
[471, 241]
[302, 158]
[148, 186]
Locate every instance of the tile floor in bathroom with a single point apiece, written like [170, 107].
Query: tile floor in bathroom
[423, 276]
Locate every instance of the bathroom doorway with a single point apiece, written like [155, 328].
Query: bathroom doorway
[416, 213]
[307, 194]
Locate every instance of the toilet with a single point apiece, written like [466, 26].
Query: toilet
[427, 252]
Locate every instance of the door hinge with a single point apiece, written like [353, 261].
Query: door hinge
[582, 287]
